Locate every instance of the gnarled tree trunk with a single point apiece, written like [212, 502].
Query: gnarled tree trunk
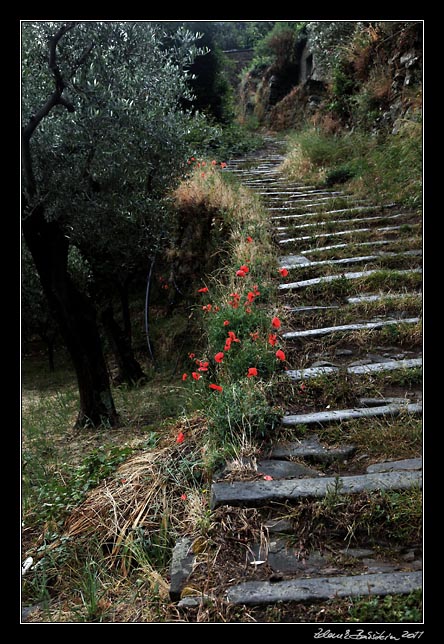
[76, 317]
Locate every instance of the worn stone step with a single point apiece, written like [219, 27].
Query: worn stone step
[352, 209]
[312, 450]
[282, 230]
[389, 365]
[323, 588]
[283, 556]
[348, 276]
[380, 242]
[291, 335]
[380, 296]
[337, 233]
[257, 493]
[300, 261]
[326, 417]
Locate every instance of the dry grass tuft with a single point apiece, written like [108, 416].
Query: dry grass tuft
[149, 493]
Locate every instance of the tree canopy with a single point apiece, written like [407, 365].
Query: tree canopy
[104, 139]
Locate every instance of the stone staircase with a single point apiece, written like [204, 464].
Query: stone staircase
[324, 235]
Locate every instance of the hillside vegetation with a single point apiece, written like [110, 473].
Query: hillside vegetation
[196, 309]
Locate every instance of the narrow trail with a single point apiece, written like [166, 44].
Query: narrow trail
[352, 311]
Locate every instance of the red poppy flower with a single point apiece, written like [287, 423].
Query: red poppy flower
[276, 323]
[232, 336]
[226, 323]
[283, 272]
[196, 376]
[280, 355]
[184, 376]
[219, 356]
[207, 307]
[216, 387]
[204, 289]
[272, 339]
[250, 296]
[247, 309]
[180, 437]
[244, 268]
[213, 162]
[240, 273]
[203, 366]
[267, 477]
[183, 497]
[252, 371]
[256, 290]
[255, 335]
[249, 239]
[191, 355]
[223, 164]
[235, 295]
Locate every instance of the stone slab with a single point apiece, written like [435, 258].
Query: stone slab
[347, 327]
[285, 558]
[300, 590]
[290, 240]
[324, 417]
[283, 229]
[285, 469]
[181, 567]
[391, 466]
[311, 449]
[390, 365]
[256, 493]
[348, 276]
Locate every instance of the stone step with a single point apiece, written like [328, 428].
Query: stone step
[348, 276]
[312, 450]
[259, 493]
[306, 333]
[326, 417]
[291, 240]
[355, 300]
[283, 229]
[324, 588]
[389, 365]
[380, 242]
[353, 209]
[380, 296]
[300, 261]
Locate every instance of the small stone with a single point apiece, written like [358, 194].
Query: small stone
[181, 567]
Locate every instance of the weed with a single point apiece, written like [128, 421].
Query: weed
[388, 609]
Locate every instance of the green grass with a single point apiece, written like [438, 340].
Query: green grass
[382, 168]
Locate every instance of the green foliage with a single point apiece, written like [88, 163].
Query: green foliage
[328, 40]
[240, 414]
[56, 496]
[388, 609]
[387, 168]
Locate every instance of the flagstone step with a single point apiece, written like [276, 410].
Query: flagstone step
[258, 493]
[283, 229]
[326, 417]
[366, 369]
[348, 276]
[291, 335]
[338, 233]
[324, 588]
[297, 261]
[352, 209]
[312, 450]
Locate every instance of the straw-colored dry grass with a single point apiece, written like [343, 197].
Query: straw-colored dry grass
[153, 492]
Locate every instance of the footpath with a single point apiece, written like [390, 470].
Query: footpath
[351, 293]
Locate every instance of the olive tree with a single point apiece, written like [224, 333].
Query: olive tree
[103, 139]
